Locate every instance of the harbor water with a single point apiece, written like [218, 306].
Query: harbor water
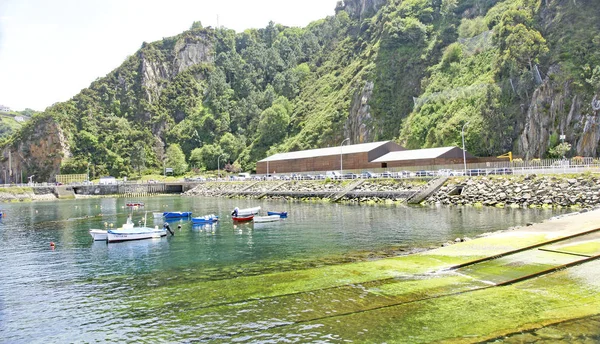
[192, 286]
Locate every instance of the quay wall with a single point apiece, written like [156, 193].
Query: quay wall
[580, 190]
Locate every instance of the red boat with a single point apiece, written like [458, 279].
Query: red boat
[242, 218]
[134, 204]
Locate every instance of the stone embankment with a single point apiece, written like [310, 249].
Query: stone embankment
[520, 191]
[368, 191]
[577, 191]
[25, 194]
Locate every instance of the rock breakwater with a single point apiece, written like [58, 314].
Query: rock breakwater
[520, 191]
[558, 191]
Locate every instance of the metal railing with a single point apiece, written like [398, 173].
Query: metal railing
[536, 166]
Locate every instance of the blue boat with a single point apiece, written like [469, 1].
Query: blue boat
[176, 214]
[205, 219]
[282, 214]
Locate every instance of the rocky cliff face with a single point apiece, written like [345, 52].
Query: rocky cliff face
[362, 8]
[39, 153]
[359, 127]
[186, 52]
[556, 109]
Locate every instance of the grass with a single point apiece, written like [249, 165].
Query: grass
[16, 190]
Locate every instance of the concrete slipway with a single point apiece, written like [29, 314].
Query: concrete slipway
[479, 290]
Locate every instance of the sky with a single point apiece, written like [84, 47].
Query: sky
[50, 50]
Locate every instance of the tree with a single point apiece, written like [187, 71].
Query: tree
[138, 158]
[176, 159]
[197, 25]
[560, 150]
[273, 125]
[209, 155]
[231, 145]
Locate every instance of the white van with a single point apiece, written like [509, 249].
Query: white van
[107, 180]
[243, 176]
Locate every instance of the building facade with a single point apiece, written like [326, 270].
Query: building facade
[350, 157]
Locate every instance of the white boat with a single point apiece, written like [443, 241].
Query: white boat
[98, 234]
[157, 215]
[101, 234]
[245, 212]
[270, 218]
[136, 233]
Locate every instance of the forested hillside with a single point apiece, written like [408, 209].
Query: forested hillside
[520, 72]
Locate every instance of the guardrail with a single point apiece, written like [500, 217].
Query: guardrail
[547, 166]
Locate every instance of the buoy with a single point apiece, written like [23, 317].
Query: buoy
[52, 244]
[36, 211]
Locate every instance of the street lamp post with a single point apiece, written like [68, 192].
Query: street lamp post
[341, 155]
[462, 133]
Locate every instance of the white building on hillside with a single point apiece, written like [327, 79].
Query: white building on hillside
[4, 108]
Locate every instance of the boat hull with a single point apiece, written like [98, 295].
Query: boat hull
[98, 234]
[204, 221]
[242, 218]
[281, 214]
[177, 215]
[248, 211]
[140, 233]
[270, 218]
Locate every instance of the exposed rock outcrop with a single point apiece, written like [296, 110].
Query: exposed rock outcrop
[186, 53]
[556, 110]
[359, 127]
[361, 8]
[41, 150]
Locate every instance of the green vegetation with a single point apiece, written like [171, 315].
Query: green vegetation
[434, 66]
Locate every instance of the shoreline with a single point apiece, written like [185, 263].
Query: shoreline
[571, 192]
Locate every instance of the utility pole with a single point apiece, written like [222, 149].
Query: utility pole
[462, 132]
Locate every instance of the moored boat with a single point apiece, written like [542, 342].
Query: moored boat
[137, 233]
[245, 212]
[102, 234]
[205, 219]
[98, 234]
[134, 204]
[270, 218]
[281, 214]
[242, 218]
[176, 214]
[157, 215]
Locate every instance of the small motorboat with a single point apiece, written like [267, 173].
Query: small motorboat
[245, 212]
[281, 214]
[136, 233]
[270, 218]
[102, 234]
[242, 218]
[177, 214]
[134, 204]
[157, 215]
[205, 219]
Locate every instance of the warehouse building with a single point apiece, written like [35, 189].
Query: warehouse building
[350, 157]
[429, 157]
